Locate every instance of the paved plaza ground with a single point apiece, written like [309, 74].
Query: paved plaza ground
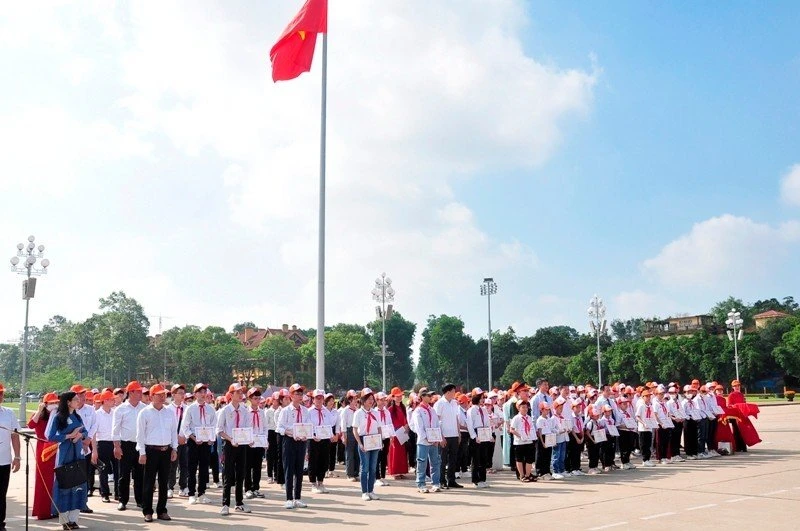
[759, 489]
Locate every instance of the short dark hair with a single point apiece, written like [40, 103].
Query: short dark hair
[446, 388]
[476, 400]
[540, 381]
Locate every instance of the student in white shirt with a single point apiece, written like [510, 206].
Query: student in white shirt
[572, 465]
[350, 447]
[422, 418]
[178, 408]
[294, 446]
[544, 455]
[608, 448]
[702, 424]
[103, 447]
[592, 446]
[200, 414]
[447, 409]
[384, 418]
[8, 440]
[663, 433]
[232, 416]
[676, 414]
[366, 424]
[560, 427]
[479, 451]
[521, 426]
[627, 435]
[270, 408]
[463, 445]
[157, 444]
[318, 449]
[333, 447]
[645, 411]
[690, 424]
[254, 458]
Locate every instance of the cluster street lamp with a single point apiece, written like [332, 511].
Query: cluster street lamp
[29, 254]
[383, 293]
[734, 323]
[489, 288]
[597, 320]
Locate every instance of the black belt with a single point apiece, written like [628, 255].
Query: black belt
[156, 448]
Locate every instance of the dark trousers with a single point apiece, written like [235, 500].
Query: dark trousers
[712, 434]
[737, 437]
[645, 442]
[199, 456]
[608, 450]
[319, 452]
[182, 464]
[157, 465]
[5, 473]
[272, 453]
[543, 458]
[333, 448]
[234, 473]
[351, 455]
[280, 478]
[702, 435]
[213, 461]
[593, 451]
[675, 440]
[90, 470]
[478, 452]
[252, 473]
[449, 457]
[105, 455]
[383, 460]
[627, 440]
[663, 438]
[129, 466]
[690, 437]
[463, 452]
[411, 449]
[573, 460]
[513, 457]
[294, 454]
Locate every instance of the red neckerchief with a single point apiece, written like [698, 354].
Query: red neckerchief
[256, 420]
[527, 424]
[370, 418]
[427, 409]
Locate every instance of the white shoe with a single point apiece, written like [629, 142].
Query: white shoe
[664, 462]
[169, 494]
[557, 476]
[679, 459]
[205, 499]
[481, 485]
[289, 504]
[299, 504]
[458, 475]
[184, 493]
[242, 509]
[607, 469]
[423, 490]
[316, 490]
[225, 511]
[691, 457]
[257, 494]
[648, 464]
[436, 488]
[374, 496]
[192, 500]
[593, 471]
[271, 481]
[366, 497]
[249, 495]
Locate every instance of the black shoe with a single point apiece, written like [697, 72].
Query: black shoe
[121, 507]
[106, 499]
[73, 525]
[86, 510]
[65, 527]
[139, 505]
[148, 518]
[455, 486]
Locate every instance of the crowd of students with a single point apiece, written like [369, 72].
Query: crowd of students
[143, 437]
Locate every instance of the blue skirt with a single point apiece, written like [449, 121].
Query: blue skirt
[68, 499]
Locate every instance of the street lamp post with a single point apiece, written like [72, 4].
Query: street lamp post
[383, 293]
[597, 320]
[734, 323]
[489, 288]
[30, 254]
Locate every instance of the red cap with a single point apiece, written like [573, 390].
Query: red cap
[157, 389]
[133, 386]
[296, 387]
[78, 388]
[49, 398]
[235, 387]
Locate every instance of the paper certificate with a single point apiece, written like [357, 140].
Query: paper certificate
[243, 436]
[678, 414]
[204, 434]
[697, 414]
[629, 423]
[323, 432]
[402, 436]
[259, 441]
[718, 410]
[650, 422]
[667, 423]
[387, 431]
[372, 442]
[484, 434]
[549, 440]
[599, 436]
[303, 431]
[433, 434]
[612, 430]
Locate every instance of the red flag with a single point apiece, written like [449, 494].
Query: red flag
[294, 51]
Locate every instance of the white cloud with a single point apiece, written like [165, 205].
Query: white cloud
[790, 186]
[722, 250]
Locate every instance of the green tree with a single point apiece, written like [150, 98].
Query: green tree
[445, 352]
[629, 329]
[121, 336]
[505, 347]
[58, 380]
[720, 311]
[553, 368]
[582, 368]
[278, 359]
[515, 369]
[787, 353]
[238, 328]
[348, 355]
[399, 339]
[561, 341]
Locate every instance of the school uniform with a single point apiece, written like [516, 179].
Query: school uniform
[255, 455]
[463, 444]
[448, 420]
[559, 454]
[524, 446]
[229, 418]
[383, 456]
[644, 411]
[181, 464]
[592, 448]
[271, 424]
[365, 422]
[544, 455]
[702, 424]
[105, 452]
[280, 477]
[198, 453]
[478, 418]
[8, 424]
[318, 451]
[87, 413]
[294, 450]
[351, 448]
[711, 438]
[608, 448]
[690, 428]
[663, 434]
[574, 448]
[425, 417]
[333, 448]
[627, 436]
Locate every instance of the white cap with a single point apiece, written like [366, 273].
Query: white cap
[560, 400]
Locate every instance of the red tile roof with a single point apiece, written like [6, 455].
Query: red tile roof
[770, 314]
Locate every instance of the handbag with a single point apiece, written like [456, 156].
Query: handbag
[70, 475]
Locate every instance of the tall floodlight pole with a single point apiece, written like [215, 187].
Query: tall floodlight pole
[29, 254]
[597, 315]
[383, 292]
[734, 323]
[489, 288]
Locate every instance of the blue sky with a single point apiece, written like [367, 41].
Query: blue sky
[645, 151]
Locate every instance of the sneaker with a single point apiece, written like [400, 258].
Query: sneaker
[121, 507]
[289, 504]
[184, 493]
[679, 459]
[593, 471]
[192, 500]
[458, 475]
[270, 481]
[169, 494]
[547, 477]
[664, 462]
[299, 504]
[315, 490]
[607, 469]
[242, 509]
[423, 490]
[205, 499]
[249, 495]
[258, 494]
[648, 464]
[381, 483]
[691, 457]
[366, 497]
[558, 476]
[436, 488]
[637, 452]
[323, 489]
[225, 511]
[373, 496]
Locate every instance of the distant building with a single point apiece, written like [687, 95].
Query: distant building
[763, 319]
[252, 338]
[681, 326]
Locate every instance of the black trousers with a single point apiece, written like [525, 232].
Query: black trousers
[252, 472]
[129, 466]
[280, 478]
[157, 465]
[319, 452]
[543, 458]
[449, 457]
[593, 450]
[5, 473]
[712, 434]
[411, 449]
[627, 440]
[663, 438]
[383, 460]
[272, 453]
[574, 450]
[105, 455]
[351, 455]
[182, 464]
[90, 472]
[690, 437]
[463, 452]
[702, 435]
[737, 437]
[333, 448]
[512, 456]
[478, 453]
[645, 442]
[609, 449]
[294, 454]
[198, 460]
[675, 440]
[234, 473]
[213, 460]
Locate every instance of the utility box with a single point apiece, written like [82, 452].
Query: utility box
[28, 288]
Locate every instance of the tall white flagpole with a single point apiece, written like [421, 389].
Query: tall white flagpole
[321, 257]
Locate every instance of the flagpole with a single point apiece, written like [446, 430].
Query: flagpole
[321, 257]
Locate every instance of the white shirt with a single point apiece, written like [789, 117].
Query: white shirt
[227, 419]
[335, 418]
[180, 418]
[258, 421]
[270, 419]
[476, 420]
[448, 416]
[195, 417]
[289, 417]
[643, 411]
[544, 425]
[123, 424]
[87, 413]
[103, 423]
[462, 420]
[347, 418]
[366, 422]
[9, 421]
[518, 423]
[423, 418]
[156, 427]
[319, 417]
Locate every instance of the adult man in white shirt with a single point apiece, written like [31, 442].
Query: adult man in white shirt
[447, 409]
[178, 408]
[103, 446]
[422, 418]
[123, 431]
[157, 444]
[233, 416]
[8, 440]
[199, 416]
